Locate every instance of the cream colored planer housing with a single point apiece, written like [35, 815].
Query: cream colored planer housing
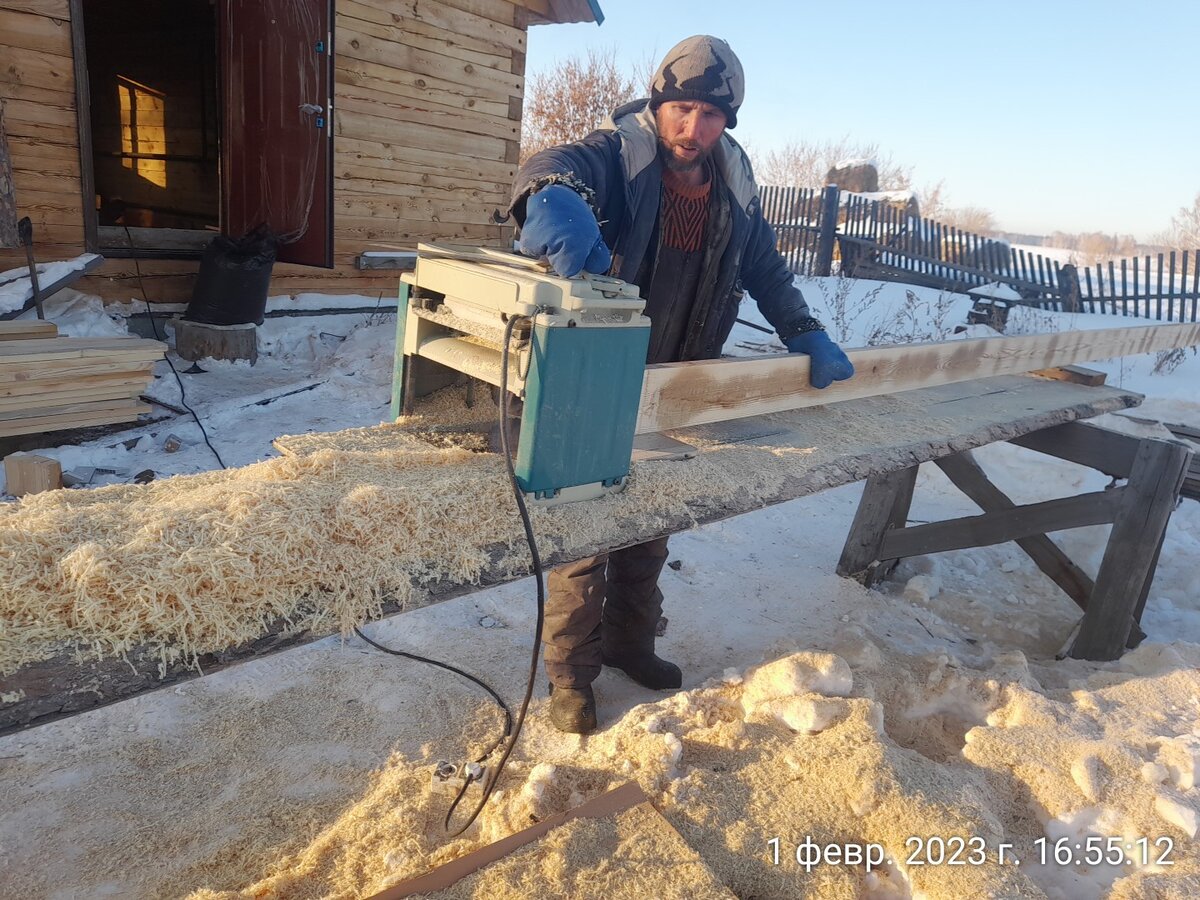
[576, 359]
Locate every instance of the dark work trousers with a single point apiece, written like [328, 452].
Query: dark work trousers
[615, 594]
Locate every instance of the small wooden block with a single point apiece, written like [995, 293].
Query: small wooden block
[1074, 374]
[28, 473]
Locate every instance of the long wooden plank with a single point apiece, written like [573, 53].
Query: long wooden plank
[102, 414]
[416, 33]
[116, 344]
[404, 109]
[45, 400]
[489, 82]
[386, 80]
[848, 442]
[383, 154]
[30, 31]
[23, 331]
[364, 126]
[676, 395]
[406, 183]
[26, 388]
[57, 9]
[82, 408]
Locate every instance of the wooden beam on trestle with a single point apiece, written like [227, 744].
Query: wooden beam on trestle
[678, 395]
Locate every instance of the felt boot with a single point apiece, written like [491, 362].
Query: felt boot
[573, 710]
[631, 612]
[636, 658]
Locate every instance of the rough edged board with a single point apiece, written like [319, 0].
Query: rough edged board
[678, 395]
[818, 449]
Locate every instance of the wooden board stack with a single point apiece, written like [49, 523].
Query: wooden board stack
[48, 382]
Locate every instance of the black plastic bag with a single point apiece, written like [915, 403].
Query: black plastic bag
[235, 275]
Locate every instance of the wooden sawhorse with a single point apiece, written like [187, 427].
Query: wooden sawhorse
[1139, 511]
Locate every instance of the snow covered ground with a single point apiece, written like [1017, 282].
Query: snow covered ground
[269, 767]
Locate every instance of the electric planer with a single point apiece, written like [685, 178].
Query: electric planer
[576, 359]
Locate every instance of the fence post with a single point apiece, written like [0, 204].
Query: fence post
[829, 223]
[1068, 288]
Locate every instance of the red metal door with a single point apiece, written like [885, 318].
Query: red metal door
[277, 154]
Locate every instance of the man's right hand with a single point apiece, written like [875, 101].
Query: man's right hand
[559, 225]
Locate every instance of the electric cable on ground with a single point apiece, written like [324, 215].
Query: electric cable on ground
[154, 327]
[519, 495]
[511, 731]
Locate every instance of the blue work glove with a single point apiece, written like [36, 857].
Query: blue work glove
[829, 362]
[559, 225]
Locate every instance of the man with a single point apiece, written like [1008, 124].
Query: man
[664, 198]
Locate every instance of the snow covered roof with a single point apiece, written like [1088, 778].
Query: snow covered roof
[552, 12]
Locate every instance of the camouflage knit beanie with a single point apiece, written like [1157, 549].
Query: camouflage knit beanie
[700, 68]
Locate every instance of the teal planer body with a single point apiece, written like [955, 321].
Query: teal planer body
[576, 362]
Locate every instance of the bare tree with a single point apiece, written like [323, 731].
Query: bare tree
[574, 98]
[974, 219]
[805, 164]
[1184, 230]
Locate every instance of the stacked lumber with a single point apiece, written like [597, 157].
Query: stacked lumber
[49, 383]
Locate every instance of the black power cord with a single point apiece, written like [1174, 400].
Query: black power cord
[508, 720]
[154, 327]
[511, 732]
[495, 772]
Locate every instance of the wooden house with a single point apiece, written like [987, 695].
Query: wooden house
[138, 129]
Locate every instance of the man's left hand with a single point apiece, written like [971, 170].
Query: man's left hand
[829, 361]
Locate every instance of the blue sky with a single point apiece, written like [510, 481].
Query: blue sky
[1053, 115]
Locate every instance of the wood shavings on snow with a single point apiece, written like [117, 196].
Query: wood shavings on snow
[321, 540]
[300, 777]
[632, 854]
[915, 747]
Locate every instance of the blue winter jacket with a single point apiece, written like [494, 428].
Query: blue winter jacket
[620, 165]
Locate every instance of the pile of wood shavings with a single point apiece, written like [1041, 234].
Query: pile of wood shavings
[726, 769]
[199, 563]
[632, 854]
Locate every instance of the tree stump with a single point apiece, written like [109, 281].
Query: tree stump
[196, 340]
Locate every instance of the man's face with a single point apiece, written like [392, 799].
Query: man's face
[687, 132]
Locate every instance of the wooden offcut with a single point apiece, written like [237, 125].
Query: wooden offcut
[28, 473]
[678, 395]
[610, 803]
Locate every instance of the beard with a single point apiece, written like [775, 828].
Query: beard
[666, 155]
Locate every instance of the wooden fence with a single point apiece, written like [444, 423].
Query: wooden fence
[1168, 286]
[878, 240]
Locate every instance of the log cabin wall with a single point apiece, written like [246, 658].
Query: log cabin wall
[37, 88]
[428, 97]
